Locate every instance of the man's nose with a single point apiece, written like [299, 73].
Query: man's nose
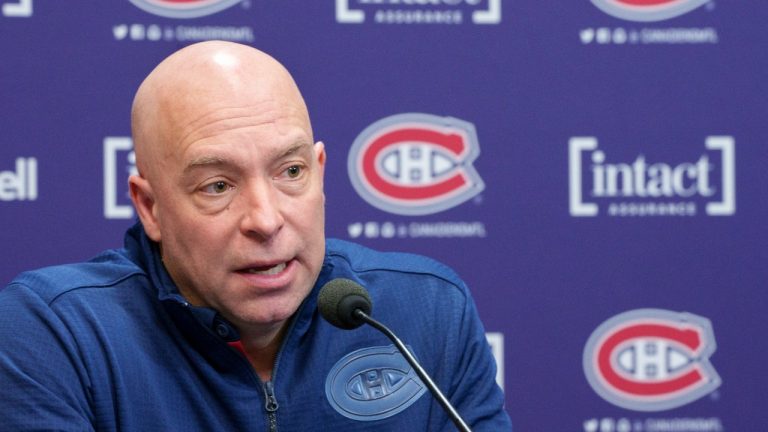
[263, 214]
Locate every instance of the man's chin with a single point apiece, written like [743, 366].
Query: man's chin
[266, 318]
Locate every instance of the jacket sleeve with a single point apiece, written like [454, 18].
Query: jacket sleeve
[44, 383]
[474, 391]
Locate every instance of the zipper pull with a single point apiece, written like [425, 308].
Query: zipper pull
[271, 404]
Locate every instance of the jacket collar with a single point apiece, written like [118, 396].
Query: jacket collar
[146, 253]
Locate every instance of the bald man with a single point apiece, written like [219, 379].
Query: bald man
[207, 318]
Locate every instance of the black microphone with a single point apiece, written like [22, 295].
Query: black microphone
[347, 305]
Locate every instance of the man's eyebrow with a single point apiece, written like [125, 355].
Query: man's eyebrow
[205, 161]
[297, 147]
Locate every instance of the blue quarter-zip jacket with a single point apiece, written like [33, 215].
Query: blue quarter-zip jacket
[111, 345]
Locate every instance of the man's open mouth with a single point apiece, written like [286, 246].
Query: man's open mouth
[266, 271]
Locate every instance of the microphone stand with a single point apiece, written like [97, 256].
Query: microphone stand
[455, 417]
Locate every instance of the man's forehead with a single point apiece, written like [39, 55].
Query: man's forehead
[267, 122]
[254, 112]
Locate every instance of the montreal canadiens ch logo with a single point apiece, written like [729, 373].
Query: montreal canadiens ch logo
[647, 10]
[184, 8]
[372, 384]
[651, 359]
[415, 164]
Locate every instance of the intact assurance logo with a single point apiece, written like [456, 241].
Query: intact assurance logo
[416, 164]
[706, 183]
[651, 13]
[418, 12]
[651, 359]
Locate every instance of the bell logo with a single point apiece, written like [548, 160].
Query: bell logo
[647, 10]
[415, 164]
[651, 359]
[20, 185]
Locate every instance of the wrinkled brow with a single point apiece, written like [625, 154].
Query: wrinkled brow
[296, 148]
[206, 161]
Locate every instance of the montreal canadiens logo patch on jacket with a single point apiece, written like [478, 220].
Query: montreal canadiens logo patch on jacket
[372, 384]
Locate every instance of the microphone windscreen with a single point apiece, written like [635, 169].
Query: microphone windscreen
[338, 300]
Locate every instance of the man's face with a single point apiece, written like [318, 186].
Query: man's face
[239, 206]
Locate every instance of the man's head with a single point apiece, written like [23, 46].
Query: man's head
[230, 181]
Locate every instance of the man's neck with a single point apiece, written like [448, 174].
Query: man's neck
[261, 350]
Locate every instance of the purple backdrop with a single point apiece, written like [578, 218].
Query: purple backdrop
[594, 169]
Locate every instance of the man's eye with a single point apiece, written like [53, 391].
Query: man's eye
[294, 171]
[218, 187]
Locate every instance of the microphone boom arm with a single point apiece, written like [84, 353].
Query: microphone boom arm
[455, 417]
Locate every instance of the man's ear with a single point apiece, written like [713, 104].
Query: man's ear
[144, 201]
[320, 153]
[319, 150]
